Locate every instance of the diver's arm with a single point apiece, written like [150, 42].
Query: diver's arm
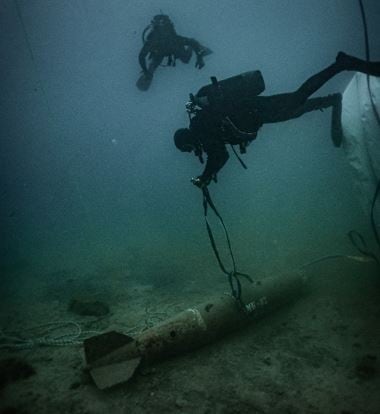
[209, 136]
[187, 41]
[216, 158]
[198, 49]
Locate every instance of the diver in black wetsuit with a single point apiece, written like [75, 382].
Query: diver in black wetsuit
[163, 41]
[214, 126]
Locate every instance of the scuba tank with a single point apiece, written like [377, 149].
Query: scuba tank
[233, 91]
[228, 97]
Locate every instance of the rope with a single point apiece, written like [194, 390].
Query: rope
[361, 259]
[373, 223]
[32, 57]
[359, 243]
[233, 276]
[48, 338]
[239, 159]
[70, 333]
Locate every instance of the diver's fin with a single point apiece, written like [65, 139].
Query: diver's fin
[205, 51]
[101, 345]
[108, 376]
[105, 366]
[348, 62]
[336, 121]
[143, 82]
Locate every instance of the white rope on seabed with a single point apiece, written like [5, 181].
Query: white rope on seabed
[47, 338]
[76, 336]
[362, 259]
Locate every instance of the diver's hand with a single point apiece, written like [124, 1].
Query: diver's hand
[200, 182]
[199, 62]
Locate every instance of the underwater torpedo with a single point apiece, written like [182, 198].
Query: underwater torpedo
[112, 358]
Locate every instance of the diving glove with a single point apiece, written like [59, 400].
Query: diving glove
[200, 182]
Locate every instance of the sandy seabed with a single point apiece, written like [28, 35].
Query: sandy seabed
[318, 355]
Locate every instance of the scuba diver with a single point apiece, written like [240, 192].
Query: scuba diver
[163, 41]
[221, 112]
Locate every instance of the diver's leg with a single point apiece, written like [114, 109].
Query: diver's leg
[184, 53]
[314, 83]
[313, 104]
[343, 62]
[145, 80]
[286, 106]
[154, 63]
[335, 102]
[283, 107]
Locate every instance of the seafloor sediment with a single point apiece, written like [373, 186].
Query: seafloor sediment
[319, 355]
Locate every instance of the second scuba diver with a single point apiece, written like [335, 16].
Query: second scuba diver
[163, 41]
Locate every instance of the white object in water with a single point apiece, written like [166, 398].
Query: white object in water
[362, 135]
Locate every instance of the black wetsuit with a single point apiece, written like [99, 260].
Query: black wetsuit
[258, 110]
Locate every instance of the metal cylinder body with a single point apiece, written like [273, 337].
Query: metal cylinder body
[209, 321]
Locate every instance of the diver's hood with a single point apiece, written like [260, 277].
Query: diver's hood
[160, 20]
